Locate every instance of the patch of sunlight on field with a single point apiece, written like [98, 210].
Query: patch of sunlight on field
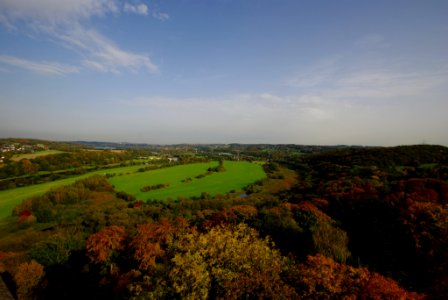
[19, 157]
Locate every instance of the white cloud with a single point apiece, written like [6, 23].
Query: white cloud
[103, 55]
[45, 68]
[55, 11]
[66, 22]
[161, 16]
[140, 9]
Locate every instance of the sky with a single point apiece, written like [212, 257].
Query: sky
[225, 71]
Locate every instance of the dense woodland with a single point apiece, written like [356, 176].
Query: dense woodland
[367, 223]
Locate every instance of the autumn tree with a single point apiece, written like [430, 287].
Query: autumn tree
[103, 245]
[229, 263]
[27, 277]
[28, 167]
[152, 247]
[326, 237]
[150, 241]
[320, 277]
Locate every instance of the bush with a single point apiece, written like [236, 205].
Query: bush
[159, 186]
[57, 249]
[125, 196]
[27, 278]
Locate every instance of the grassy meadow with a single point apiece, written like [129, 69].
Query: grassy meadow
[236, 176]
[12, 197]
[19, 157]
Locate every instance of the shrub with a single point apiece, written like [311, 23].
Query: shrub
[27, 277]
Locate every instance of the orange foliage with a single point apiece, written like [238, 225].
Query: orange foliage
[320, 203]
[244, 211]
[4, 256]
[27, 278]
[379, 287]
[102, 245]
[310, 208]
[428, 223]
[232, 215]
[151, 239]
[425, 190]
[321, 277]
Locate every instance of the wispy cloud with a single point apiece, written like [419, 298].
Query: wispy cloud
[102, 54]
[67, 22]
[246, 117]
[388, 83]
[356, 74]
[315, 75]
[161, 16]
[367, 93]
[237, 108]
[140, 9]
[54, 11]
[45, 68]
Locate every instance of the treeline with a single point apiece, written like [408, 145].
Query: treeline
[45, 208]
[36, 144]
[62, 161]
[148, 188]
[385, 157]
[57, 166]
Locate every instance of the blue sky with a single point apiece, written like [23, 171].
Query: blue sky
[249, 71]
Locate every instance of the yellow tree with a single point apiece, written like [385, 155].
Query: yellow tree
[228, 263]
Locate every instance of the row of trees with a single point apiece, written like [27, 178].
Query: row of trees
[62, 161]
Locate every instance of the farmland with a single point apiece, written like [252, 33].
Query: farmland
[19, 157]
[12, 197]
[236, 176]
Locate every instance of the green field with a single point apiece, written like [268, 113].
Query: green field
[236, 176]
[10, 198]
[18, 157]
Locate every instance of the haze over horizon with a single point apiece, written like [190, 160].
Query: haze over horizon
[224, 71]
